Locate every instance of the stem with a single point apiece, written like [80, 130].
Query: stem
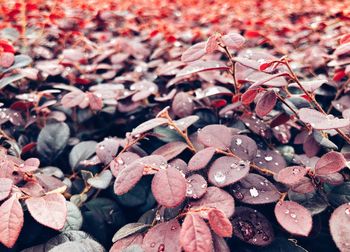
[233, 73]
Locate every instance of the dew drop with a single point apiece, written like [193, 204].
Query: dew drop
[253, 192]
[268, 158]
[120, 161]
[287, 211]
[189, 191]
[153, 244]
[239, 195]
[238, 141]
[101, 147]
[173, 228]
[161, 248]
[204, 186]
[265, 237]
[276, 163]
[296, 170]
[347, 211]
[293, 215]
[220, 177]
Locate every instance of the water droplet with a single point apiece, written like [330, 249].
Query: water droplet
[220, 177]
[233, 165]
[163, 165]
[173, 227]
[153, 244]
[296, 170]
[194, 196]
[287, 211]
[204, 185]
[189, 191]
[101, 147]
[268, 158]
[238, 141]
[161, 248]
[265, 237]
[293, 215]
[276, 163]
[120, 161]
[239, 195]
[253, 192]
[347, 211]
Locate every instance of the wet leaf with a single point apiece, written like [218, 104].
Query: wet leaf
[339, 224]
[215, 135]
[182, 104]
[233, 40]
[5, 188]
[129, 229]
[196, 186]
[329, 163]
[201, 66]
[219, 223]
[291, 175]
[193, 53]
[170, 150]
[148, 125]
[244, 147]
[201, 159]
[266, 103]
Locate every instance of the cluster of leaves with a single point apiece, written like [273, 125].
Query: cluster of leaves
[136, 127]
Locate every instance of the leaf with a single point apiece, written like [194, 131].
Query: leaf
[6, 59]
[233, 40]
[220, 244]
[215, 135]
[8, 80]
[339, 224]
[196, 186]
[193, 53]
[82, 151]
[49, 210]
[283, 245]
[201, 159]
[184, 123]
[95, 102]
[219, 223]
[129, 229]
[252, 227]
[195, 235]
[294, 218]
[163, 237]
[329, 163]
[102, 180]
[255, 189]
[249, 96]
[170, 150]
[121, 161]
[215, 198]
[244, 147]
[319, 121]
[201, 66]
[313, 201]
[269, 159]
[5, 188]
[310, 85]
[271, 80]
[11, 223]
[148, 125]
[52, 139]
[135, 239]
[128, 177]
[74, 98]
[225, 171]
[291, 175]
[74, 219]
[211, 44]
[266, 103]
[339, 194]
[20, 61]
[182, 104]
[107, 149]
[169, 187]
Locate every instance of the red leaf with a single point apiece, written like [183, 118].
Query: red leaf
[329, 163]
[249, 96]
[244, 147]
[195, 235]
[219, 223]
[11, 223]
[49, 210]
[193, 53]
[196, 186]
[266, 103]
[265, 65]
[252, 34]
[95, 102]
[126, 242]
[6, 59]
[339, 75]
[148, 125]
[128, 177]
[339, 224]
[215, 135]
[211, 45]
[169, 187]
[182, 105]
[170, 150]
[5, 188]
[215, 198]
[74, 98]
[233, 40]
[201, 66]
[294, 218]
[201, 159]
[291, 175]
[227, 170]
[163, 237]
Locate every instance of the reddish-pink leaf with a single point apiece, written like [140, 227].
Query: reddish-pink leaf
[193, 53]
[95, 102]
[182, 104]
[249, 95]
[329, 163]
[252, 227]
[49, 210]
[195, 235]
[200, 66]
[163, 237]
[148, 125]
[219, 223]
[291, 175]
[269, 159]
[128, 177]
[121, 161]
[319, 121]
[169, 187]
[233, 40]
[6, 59]
[74, 98]
[215, 198]
[244, 147]
[266, 103]
[215, 135]
[11, 223]
[294, 218]
[107, 149]
[201, 159]
[126, 242]
[5, 188]
[170, 150]
[309, 86]
[339, 224]
[30, 165]
[196, 186]
[305, 185]
[255, 189]
[211, 44]
[227, 170]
